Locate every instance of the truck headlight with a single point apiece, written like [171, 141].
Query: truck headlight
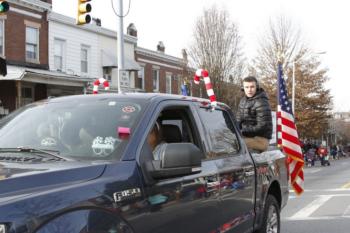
[3, 228]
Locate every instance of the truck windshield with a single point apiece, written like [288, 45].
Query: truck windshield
[85, 129]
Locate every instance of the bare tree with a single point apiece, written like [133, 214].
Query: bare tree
[217, 48]
[283, 42]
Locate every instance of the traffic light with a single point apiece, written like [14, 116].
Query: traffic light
[83, 8]
[4, 7]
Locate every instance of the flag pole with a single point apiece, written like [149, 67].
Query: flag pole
[278, 130]
[277, 97]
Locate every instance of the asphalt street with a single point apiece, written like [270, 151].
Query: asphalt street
[324, 207]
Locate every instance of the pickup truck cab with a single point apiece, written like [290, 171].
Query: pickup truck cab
[83, 164]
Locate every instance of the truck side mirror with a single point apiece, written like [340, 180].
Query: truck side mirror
[176, 159]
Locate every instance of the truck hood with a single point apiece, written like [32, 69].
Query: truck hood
[18, 179]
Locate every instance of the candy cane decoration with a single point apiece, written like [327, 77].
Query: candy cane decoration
[98, 82]
[204, 73]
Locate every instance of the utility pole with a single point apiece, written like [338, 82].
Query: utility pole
[120, 38]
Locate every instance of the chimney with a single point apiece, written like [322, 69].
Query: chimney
[131, 30]
[48, 1]
[97, 21]
[160, 47]
[184, 55]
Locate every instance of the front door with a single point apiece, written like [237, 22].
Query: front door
[182, 204]
[235, 168]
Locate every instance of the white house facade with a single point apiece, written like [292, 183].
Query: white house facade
[87, 52]
[109, 51]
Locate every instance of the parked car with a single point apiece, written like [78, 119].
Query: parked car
[83, 164]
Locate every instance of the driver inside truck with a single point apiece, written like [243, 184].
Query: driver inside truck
[155, 140]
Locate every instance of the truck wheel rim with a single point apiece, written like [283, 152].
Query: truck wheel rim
[272, 220]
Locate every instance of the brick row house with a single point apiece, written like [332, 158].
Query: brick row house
[49, 55]
[25, 46]
[23, 32]
[161, 72]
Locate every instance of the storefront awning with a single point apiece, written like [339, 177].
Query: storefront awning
[44, 76]
[110, 60]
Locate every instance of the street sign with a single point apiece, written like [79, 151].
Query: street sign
[124, 79]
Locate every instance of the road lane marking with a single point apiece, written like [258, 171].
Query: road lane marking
[316, 218]
[310, 208]
[322, 190]
[346, 212]
[331, 195]
[346, 186]
[313, 171]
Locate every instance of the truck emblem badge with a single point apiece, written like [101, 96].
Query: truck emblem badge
[126, 194]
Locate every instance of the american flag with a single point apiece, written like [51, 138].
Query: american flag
[287, 136]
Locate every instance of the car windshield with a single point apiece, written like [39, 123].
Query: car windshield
[82, 129]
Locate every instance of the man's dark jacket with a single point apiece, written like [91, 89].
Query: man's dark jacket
[254, 115]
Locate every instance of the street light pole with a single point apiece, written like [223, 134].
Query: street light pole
[293, 87]
[120, 39]
[293, 81]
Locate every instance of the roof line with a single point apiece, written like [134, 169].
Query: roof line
[158, 54]
[32, 4]
[56, 17]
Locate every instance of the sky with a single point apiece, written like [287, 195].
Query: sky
[325, 26]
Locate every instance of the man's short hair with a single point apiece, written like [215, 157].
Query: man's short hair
[250, 79]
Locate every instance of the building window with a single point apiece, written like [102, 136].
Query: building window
[32, 43]
[59, 54]
[155, 79]
[168, 83]
[2, 36]
[84, 55]
[140, 81]
[107, 73]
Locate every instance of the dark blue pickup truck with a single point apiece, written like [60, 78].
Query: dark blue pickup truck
[83, 164]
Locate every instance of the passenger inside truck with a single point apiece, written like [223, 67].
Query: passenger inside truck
[171, 126]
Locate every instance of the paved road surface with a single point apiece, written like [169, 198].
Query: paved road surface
[324, 207]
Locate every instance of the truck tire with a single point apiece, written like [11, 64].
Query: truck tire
[271, 219]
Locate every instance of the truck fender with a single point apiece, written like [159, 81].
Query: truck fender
[273, 190]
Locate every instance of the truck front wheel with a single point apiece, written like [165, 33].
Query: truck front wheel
[271, 218]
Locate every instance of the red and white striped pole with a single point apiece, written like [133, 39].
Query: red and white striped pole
[97, 83]
[204, 73]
